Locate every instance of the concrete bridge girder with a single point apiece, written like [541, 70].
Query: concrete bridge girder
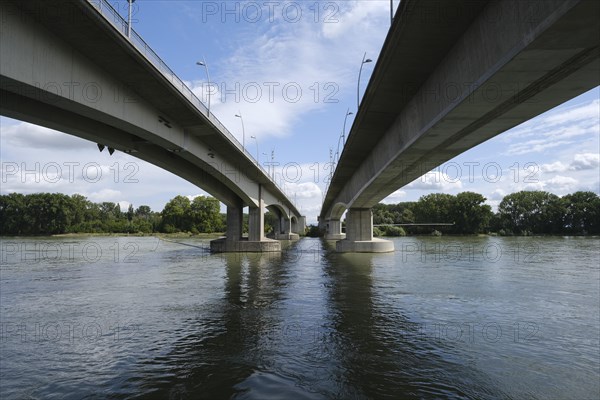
[42, 67]
[46, 79]
[513, 61]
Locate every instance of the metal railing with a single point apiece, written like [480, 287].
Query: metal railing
[105, 9]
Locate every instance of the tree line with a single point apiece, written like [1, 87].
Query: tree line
[521, 213]
[55, 213]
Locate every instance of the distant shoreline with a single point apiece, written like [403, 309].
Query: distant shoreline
[219, 235]
[159, 235]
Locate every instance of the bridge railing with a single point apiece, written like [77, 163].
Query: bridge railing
[113, 16]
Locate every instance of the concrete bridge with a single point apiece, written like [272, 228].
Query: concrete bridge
[71, 66]
[451, 75]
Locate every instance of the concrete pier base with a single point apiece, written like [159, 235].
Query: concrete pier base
[359, 234]
[235, 243]
[244, 246]
[333, 230]
[371, 246]
[286, 236]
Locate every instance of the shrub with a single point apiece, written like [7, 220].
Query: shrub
[394, 231]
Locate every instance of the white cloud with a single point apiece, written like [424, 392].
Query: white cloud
[286, 70]
[308, 197]
[435, 181]
[582, 112]
[124, 205]
[585, 161]
[539, 185]
[535, 146]
[109, 195]
[560, 184]
[581, 162]
[394, 198]
[361, 16]
[554, 167]
[554, 129]
[32, 136]
[497, 195]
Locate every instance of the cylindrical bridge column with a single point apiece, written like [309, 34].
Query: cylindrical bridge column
[359, 234]
[334, 230]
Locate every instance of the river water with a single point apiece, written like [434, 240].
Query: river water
[477, 318]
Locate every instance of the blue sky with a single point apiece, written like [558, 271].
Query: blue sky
[291, 69]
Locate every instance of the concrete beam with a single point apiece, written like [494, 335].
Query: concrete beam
[504, 65]
[112, 93]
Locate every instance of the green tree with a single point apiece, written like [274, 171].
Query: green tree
[79, 210]
[383, 215]
[390, 230]
[130, 213]
[12, 214]
[204, 214]
[107, 210]
[143, 212]
[582, 213]
[470, 213]
[271, 221]
[434, 208]
[531, 212]
[48, 213]
[175, 215]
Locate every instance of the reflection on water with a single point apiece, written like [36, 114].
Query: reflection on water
[439, 318]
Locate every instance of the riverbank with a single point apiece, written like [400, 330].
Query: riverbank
[157, 235]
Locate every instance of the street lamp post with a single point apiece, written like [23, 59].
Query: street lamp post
[203, 64]
[392, 11]
[243, 130]
[272, 172]
[364, 61]
[129, 17]
[337, 154]
[348, 113]
[330, 166]
[257, 154]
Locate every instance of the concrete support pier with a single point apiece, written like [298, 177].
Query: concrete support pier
[333, 230]
[256, 242]
[283, 230]
[359, 234]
